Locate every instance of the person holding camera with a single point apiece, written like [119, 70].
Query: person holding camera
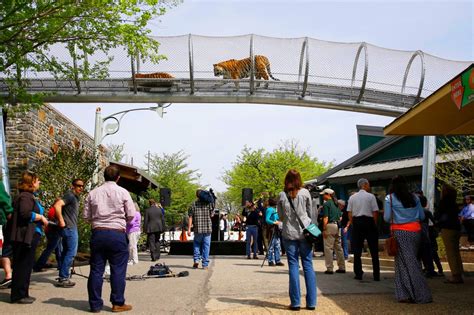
[273, 223]
[251, 219]
[199, 216]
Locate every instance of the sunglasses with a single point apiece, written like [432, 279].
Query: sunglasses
[79, 186]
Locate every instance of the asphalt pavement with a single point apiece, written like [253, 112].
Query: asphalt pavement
[236, 285]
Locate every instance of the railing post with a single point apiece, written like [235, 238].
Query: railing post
[252, 67]
[366, 70]
[191, 62]
[422, 77]
[306, 72]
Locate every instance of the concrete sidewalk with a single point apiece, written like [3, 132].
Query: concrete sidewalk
[235, 285]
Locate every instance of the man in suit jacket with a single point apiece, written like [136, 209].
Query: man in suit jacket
[153, 226]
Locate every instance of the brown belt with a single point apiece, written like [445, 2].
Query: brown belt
[108, 229]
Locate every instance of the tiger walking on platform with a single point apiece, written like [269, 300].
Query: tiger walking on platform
[240, 69]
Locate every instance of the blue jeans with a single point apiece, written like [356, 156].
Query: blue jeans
[201, 248]
[295, 249]
[70, 239]
[54, 243]
[274, 249]
[251, 232]
[111, 246]
[345, 242]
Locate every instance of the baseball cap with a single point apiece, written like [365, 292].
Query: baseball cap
[328, 191]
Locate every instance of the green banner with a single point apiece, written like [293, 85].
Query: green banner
[467, 79]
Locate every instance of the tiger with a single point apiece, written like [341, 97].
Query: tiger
[154, 75]
[240, 69]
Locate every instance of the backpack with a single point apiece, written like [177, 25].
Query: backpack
[207, 197]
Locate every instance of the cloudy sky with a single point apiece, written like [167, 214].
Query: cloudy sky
[214, 134]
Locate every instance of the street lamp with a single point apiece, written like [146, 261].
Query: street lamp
[114, 126]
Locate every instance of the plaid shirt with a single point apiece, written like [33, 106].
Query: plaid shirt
[201, 214]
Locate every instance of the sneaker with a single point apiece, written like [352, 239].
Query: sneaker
[248, 257]
[280, 263]
[329, 272]
[255, 257]
[271, 264]
[64, 283]
[121, 308]
[5, 283]
[340, 271]
[195, 265]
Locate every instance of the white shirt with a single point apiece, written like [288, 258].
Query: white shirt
[362, 203]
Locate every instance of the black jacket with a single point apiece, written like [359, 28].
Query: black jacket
[23, 229]
[154, 220]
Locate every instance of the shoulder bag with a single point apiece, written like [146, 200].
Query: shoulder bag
[311, 232]
[391, 244]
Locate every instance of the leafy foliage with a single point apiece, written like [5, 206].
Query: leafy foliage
[457, 162]
[265, 172]
[30, 29]
[116, 151]
[56, 173]
[172, 171]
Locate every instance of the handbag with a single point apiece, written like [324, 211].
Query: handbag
[391, 244]
[311, 232]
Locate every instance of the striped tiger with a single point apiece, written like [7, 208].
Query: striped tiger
[154, 75]
[240, 69]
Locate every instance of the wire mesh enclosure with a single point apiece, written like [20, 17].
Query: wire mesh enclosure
[303, 70]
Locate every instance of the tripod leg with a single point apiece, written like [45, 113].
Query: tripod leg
[269, 246]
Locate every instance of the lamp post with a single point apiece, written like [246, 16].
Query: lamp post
[114, 127]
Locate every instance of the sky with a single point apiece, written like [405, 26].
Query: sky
[213, 135]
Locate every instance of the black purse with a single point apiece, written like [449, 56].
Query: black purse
[311, 233]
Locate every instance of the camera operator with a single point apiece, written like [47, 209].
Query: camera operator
[251, 218]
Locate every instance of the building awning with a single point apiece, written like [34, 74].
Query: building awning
[133, 179]
[448, 111]
[405, 167]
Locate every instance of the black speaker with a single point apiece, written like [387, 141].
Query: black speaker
[165, 197]
[247, 195]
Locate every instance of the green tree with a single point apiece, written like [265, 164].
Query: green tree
[456, 165]
[265, 172]
[116, 151]
[30, 31]
[56, 173]
[172, 171]
[224, 202]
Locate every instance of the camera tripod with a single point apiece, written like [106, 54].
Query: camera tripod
[73, 271]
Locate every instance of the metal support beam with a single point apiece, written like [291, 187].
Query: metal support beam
[134, 81]
[422, 76]
[429, 168]
[306, 71]
[191, 62]
[97, 141]
[252, 67]
[5, 172]
[366, 70]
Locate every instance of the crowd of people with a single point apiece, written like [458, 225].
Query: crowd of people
[274, 226]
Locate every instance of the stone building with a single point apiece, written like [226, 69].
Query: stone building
[38, 133]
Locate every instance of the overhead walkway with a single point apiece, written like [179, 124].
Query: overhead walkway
[344, 76]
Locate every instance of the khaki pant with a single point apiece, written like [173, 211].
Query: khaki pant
[451, 244]
[332, 242]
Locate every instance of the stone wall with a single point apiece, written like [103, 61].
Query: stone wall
[38, 133]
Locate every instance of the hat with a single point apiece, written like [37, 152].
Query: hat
[328, 191]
